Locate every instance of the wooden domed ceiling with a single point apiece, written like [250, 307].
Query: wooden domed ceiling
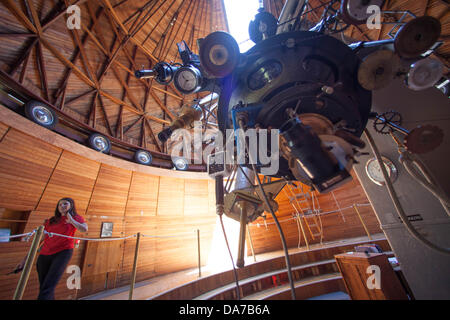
[89, 72]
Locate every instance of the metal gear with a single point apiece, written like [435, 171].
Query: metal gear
[380, 123]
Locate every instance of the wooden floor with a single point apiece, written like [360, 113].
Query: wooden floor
[157, 285]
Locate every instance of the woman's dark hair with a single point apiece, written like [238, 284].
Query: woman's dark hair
[57, 216]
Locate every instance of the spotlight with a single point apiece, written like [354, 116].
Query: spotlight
[180, 163]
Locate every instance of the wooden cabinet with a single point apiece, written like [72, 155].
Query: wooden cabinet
[369, 277]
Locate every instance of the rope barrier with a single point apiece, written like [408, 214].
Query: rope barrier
[51, 234]
[29, 234]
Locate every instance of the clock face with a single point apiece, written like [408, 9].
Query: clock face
[186, 80]
[373, 170]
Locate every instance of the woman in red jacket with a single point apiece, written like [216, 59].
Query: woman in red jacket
[57, 251]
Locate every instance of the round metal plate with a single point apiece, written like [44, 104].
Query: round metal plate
[355, 11]
[374, 173]
[424, 139]
[417, 36]
[424, 74]
[378, 69]
[219, 54]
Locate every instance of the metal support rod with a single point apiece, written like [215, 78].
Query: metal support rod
[243, 225]
[251, 243]
[20, 289]
[303, 231]
[371, 44]
[133, 274]
[362, 222]
[199, 257]
[298, 213]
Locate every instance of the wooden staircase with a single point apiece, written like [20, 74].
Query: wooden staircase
[315, 273]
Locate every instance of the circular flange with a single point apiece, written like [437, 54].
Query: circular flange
[424, 139]
[378, 69]
[219, 54]
[424, 74]
[355, 11]
[417, 36]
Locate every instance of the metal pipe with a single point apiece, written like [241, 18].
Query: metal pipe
[243, 221]
[288, 13]
[199, 257]
[251, 244]
[133, 274]
[370, 44]
[20, 289]
[244, 178]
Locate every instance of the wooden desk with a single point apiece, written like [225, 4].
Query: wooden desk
[358, 273]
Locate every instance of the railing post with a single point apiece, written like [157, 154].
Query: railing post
[251, 243]
[133, 274]
[362, 222]
[20, 289]
[303, 231]
[199, 257]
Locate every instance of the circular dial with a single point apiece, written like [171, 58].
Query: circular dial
[187, 79]
[373, 170]
[264, 75]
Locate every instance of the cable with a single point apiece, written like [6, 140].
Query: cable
[419, 172]
[417, 169]
[396, 202]
[238, 293]
[266, 201]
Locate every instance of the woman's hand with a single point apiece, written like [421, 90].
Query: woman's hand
[80, 226]
[20, 266]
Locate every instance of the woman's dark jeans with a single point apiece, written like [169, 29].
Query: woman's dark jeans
[50, 270]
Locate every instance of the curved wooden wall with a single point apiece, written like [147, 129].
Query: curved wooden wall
[38, 167]
[335, 225]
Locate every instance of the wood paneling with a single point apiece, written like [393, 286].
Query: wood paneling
[110, 193]
[103, 193]
[171, 197]
[3, 129]
[73, 177]
[26, 164]
[143, 196]
[196, 192]
[177, 247]
[102, 257]
[147, 249]
[337, 225]
[356, 272]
